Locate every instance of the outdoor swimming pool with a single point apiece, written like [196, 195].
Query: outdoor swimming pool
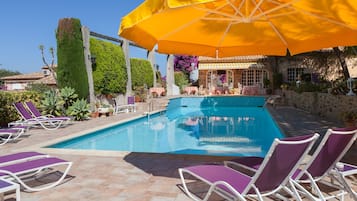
[224, 126]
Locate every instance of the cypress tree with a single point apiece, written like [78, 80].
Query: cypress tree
[71, 70]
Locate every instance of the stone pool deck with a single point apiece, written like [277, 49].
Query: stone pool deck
[114, 176]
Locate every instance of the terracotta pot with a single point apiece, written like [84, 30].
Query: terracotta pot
[137, 99]
[94, 114]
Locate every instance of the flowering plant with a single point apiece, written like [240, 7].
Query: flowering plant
[185, 63]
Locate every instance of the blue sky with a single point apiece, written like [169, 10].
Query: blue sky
[26, 24]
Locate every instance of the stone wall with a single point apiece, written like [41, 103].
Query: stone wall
[322, 104]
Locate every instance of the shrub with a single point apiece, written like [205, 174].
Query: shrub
[181, 79]
[52, 103]
[141, 73]
[71, 70]
[40, 88]
[7, 112]
[277, 80]
[68, 96]
[80, 110]
[109, 72]
[310, 87]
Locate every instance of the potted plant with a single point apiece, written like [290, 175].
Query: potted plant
[111, 111]
[349, 118]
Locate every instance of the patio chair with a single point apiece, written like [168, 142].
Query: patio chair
[33, 168]
[12, 133]
[321, 165]
[281, 161]
[36, 113]
[131, 103]
[29, 120]
[120, 105]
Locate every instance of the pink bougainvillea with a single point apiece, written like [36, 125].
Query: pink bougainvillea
[184, 63]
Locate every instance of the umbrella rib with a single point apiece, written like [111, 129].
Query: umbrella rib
[326, 19]
[210, 11]
[274, 28]
[278, 33]
[191, 22]
[257, 6]
[281, 6]
[180, 28]
[235, 8]
[226, 31]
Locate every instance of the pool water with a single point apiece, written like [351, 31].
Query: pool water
[204, 126]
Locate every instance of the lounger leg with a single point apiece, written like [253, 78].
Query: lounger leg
[18, 193]
[342, 180]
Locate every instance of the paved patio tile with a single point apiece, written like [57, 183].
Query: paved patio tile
[137, 176]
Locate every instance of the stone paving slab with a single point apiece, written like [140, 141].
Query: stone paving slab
[135, 176]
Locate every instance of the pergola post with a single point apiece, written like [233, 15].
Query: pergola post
[170, 79]
[151, 58]
[88, 63]
[125, 47]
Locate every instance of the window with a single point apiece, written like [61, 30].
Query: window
[293, 73]
[253, 77]
[219, 78]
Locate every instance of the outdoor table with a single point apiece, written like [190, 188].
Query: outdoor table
[104, 110]
[191, 90]
[250, 90]
[158, 90]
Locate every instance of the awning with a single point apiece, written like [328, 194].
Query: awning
[228, 66]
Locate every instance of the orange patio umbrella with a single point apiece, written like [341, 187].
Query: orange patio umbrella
[223, 28]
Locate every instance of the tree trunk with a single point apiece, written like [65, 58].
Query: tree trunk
[343, 63]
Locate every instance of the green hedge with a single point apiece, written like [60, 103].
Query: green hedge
[141, 73]
[71, 70]
[7, 111]
[181, 79]
[109, 70]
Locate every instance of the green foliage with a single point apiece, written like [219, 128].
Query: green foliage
[5, 73]
[40, 87]
[109, 73]
[52, 103]
[309, 87]
[141, 92]
[277, 80]
[68, 96]
[141, 73]
[7, 112]
[181, 79]
[80, 110]
[266, 82]
[71, 70]
[349, 116]
[340, 87]
[159, 78]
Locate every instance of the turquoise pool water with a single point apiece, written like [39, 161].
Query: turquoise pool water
[226, 126]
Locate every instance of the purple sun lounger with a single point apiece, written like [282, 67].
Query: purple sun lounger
[20, 157]
[8, 134]
[281, 161]
[24, 171]
[36, 113]
[29, 120]
[322, 164]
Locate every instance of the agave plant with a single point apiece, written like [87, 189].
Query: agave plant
[51, 103]
[68, 95]
[80, 110]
